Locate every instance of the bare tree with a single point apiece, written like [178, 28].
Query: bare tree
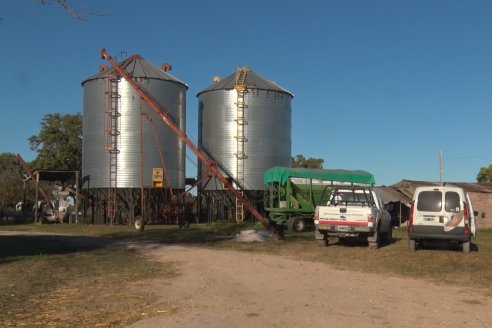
[77, 13]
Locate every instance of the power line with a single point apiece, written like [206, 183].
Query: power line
[468, 157]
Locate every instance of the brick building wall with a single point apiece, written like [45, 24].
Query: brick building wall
[482, 203]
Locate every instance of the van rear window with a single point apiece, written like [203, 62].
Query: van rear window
[429, 201]
[452, 201]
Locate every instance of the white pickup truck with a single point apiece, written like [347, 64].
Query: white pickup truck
[353, 212]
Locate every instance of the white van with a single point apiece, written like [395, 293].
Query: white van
[441, 213]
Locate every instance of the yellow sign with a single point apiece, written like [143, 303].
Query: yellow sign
[157, 174]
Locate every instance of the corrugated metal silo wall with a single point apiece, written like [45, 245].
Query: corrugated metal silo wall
[95, 158]
[268, 132]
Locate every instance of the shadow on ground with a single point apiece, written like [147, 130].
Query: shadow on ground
[17, 245]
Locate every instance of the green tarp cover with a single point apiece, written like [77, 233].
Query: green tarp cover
[282, 174]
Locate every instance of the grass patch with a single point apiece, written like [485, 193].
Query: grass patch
[47, 282]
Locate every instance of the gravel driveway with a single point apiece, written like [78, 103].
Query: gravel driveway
[219, 288]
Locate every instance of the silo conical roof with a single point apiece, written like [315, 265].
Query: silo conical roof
[138, 68]
[253, 81]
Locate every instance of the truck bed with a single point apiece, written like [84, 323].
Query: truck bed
[344, 218]
[356, 212]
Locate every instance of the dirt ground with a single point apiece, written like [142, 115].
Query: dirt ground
[232, 289]
[218, 288]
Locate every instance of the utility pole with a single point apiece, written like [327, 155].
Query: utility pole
[440, 167]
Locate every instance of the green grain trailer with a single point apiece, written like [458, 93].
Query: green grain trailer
[293, 193]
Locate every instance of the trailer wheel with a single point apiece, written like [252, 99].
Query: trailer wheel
[296, 224]
[139, 223]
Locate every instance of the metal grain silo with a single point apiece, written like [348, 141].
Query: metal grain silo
[245, 124]
[123, 139]
[126, 145]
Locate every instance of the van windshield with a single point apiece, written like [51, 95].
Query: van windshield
[452, 201]
[429, 201]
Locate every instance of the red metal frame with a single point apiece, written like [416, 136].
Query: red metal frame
[212, 167]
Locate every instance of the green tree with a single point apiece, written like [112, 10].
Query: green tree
[485, 174]
[11, 182]
[310, 163]
[59, 143]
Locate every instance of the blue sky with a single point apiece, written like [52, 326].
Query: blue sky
[379, 85]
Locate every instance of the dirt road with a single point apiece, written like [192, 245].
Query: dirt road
[237, 289]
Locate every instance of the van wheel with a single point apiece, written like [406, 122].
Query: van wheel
[466, 247]
[412, 245]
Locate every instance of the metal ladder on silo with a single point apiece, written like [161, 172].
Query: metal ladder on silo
[112, 134]
[241, 122]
